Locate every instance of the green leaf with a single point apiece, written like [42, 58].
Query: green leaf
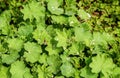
[49, 29]
[2, 49]
[5, 18]
[41, 35]
[59, 19]
[107, 37]
[52, 49]
[15, 44]
[25, 30]
[70, 7]
[53, 7]
[86, 73]
[83, 15]
[27, 73]
[43, 58]
[41, 73]
[76, 62]
[65, 58]
[33, 52]
[59, 77]
[67, 69]
[76, 48]
[83, 34]
[33, 10]
[101, 39]
[102, 63]
[9, 58]
[54, 60]
[54, 63]
[4, 72]
[116, 72]
[18, 70]
[61, 38]
[73, 21]
[77, 74]
[97, 39]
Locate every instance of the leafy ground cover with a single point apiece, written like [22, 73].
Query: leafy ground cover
[59, 39]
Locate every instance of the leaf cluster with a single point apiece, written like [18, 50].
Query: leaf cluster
[59, 39]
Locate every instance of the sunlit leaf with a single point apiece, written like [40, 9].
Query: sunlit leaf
[19, 66]
[33, 10]
[102, 63]
[53, 7]
[33, 52]
[67, 69]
